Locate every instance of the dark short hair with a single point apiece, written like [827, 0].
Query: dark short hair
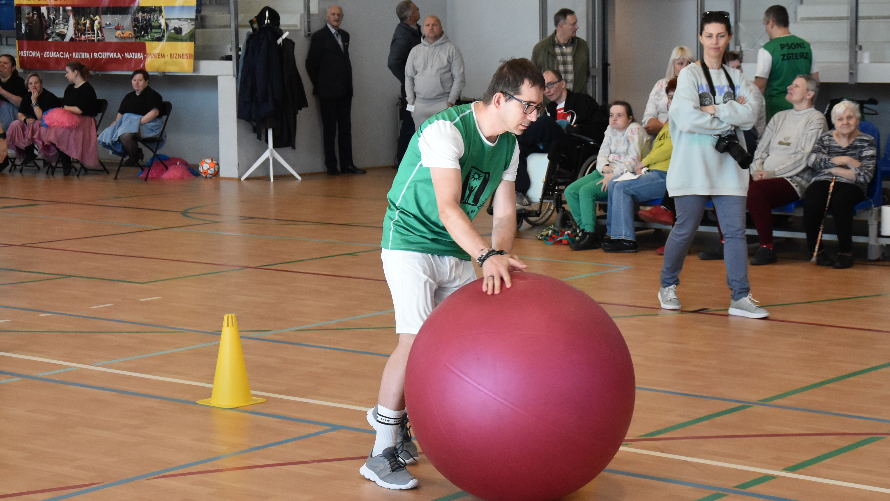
[561, 16]
[778, 15]
[555, 72]
[510, 77]
[10, 56]
[403, 10]
[140, 71]
[627, 108]
[733, 56]
[715, 16]
[671, 86]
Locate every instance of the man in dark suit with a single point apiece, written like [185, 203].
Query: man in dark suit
[329, 69]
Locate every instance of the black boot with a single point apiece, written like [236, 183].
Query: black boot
[586, 240]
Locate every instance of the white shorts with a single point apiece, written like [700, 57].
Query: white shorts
[419, 282]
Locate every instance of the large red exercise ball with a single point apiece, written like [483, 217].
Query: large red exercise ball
[524, 395]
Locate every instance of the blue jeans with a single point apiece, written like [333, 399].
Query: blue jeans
[623, 197]
[730, 209]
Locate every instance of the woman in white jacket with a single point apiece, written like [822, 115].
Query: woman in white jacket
[712, 100]
[656, 114]
[434, 73]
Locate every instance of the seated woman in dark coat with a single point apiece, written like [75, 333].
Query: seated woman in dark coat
[137, 117]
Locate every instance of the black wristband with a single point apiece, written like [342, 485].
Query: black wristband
[481, 259]
[2, 135]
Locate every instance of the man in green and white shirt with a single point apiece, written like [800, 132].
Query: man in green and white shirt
[454, 163]
[781, 60]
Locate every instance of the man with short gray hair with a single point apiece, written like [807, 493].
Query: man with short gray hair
[565, 52]
[406, 36]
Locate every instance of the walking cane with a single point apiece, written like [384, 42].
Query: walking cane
[822, 226]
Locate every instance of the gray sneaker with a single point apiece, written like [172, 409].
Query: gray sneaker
[522, 201]
[667, 296]
[747, 307]
[388, 470]
[404, 444]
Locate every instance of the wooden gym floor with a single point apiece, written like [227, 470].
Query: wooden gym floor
[113, 296]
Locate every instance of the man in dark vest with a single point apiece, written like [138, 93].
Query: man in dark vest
[406, 37]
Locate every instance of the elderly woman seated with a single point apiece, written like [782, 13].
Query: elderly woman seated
[779, 173]
[26, 128]
[843, 161]
[137, 117]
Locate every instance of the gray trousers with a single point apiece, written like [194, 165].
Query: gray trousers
[731, 213]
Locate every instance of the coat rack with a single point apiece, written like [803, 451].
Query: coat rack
[270, 152]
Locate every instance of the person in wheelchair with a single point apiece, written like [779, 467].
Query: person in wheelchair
[568, 113]
[624, 145]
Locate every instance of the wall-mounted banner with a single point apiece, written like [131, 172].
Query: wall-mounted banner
[106, 35]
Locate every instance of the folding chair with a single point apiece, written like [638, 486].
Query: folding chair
[103, 107]
[153, 143]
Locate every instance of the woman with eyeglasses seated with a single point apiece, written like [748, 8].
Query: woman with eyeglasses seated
[712, 100]
[624, 145]
[137, 117]
[845, 158]
[74, 134]
[25, 129]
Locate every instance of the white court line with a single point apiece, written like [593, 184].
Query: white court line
[45, 315]
[180, 381]
[101, 306]
[775, 473]
[5, 321]
[150, 298]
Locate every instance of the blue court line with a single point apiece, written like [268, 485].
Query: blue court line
[762, 404]
[186, 402]
[188, 465]
[328, 322]
[615, 266]
[278, 238]
[696, 485]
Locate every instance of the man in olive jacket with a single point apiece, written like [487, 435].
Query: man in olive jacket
[565, 52]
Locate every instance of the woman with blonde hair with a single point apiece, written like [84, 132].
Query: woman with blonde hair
[656, 113]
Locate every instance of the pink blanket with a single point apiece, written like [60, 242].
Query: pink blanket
[80, 143]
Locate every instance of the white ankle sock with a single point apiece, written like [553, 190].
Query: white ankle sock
[387, 427]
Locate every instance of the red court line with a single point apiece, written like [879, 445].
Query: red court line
[756, 435]
[53, 489]
[194, 262]
[256, 466]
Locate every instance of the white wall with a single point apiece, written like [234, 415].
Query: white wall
[488, 32]
[641, 38]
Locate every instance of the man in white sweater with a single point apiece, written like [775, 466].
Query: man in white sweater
[434, 73]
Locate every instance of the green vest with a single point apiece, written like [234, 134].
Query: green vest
[792, 56]
[412, 218]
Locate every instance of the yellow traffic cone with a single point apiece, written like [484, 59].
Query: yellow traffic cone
[230, 386]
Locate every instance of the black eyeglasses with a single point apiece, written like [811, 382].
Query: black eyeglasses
[551, 84]
[720, 13]
[526, 105]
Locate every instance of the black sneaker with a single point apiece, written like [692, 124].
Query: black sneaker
[844, 261]
[764, 255]
[715, 254]
[822, 259]
[4, 164]
[620, 245]
[587, 240]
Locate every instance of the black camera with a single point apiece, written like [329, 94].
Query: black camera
[729, 143]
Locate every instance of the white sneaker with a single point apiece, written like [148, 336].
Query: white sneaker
[667, 296]
[747, 307]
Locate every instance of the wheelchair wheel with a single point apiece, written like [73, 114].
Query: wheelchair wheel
[587, 167]
[545, 214]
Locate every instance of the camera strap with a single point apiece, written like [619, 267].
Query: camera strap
[711, 81]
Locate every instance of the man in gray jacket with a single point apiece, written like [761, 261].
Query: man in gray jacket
[434, 73]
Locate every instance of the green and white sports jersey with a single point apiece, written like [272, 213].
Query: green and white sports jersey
[450, 140]
[780, 61]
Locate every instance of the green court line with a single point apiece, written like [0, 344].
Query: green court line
[377, 249]
[452, 497]
[18, 206]
[766, 400]
[33, 281]
[796, 467]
